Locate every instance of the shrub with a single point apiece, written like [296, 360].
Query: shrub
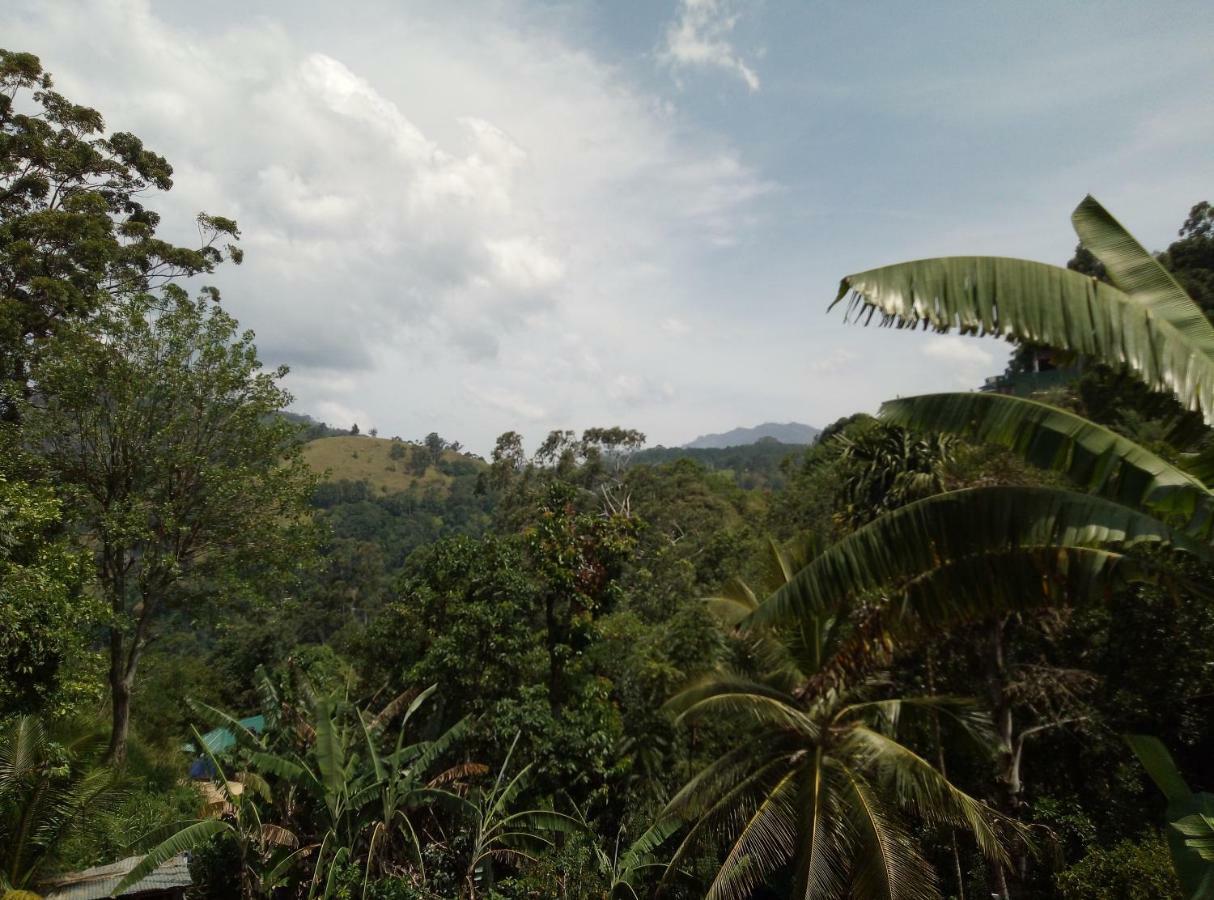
[1131, 870]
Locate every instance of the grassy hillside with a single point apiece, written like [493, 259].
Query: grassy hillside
[388, 466]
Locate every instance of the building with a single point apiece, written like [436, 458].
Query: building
[167, 882]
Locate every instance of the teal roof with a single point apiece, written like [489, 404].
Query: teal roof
[218, 740]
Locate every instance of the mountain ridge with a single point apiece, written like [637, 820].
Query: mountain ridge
[784, 432]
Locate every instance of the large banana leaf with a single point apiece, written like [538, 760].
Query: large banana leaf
[893, 550]
[189, 838]
[1097, 458]
[974, 588]
[1140, 274]
[1196, 873]
[1141, 323]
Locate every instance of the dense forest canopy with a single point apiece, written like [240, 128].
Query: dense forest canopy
[900, 662]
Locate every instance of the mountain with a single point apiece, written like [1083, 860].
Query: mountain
[786, 433]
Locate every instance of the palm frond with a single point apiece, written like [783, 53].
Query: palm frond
[734, 695]
[764, 844]
[889, 866]
[921, 787]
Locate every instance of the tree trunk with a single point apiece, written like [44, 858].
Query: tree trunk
[124, 660]
[120, 708]
[958, 872]
[1008, 786]
[555, 633]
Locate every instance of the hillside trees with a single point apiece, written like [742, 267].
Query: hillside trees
[159, 422]
[44, 610]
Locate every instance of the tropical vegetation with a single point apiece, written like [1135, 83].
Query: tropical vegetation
[960, 649]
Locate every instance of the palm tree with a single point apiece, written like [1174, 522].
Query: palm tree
[818, 788]
[48, 792]
[890, 467]
[968, 554]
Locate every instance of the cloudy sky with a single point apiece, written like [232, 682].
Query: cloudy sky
[475, 216]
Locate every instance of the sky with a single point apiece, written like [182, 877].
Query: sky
[471, 217]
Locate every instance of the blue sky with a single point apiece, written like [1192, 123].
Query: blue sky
[470, 217]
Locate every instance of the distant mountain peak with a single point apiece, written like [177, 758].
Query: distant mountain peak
[785, 433]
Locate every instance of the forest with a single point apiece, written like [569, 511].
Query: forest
[957, 649]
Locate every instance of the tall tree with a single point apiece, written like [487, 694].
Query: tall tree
[74, 230]
[160, 423]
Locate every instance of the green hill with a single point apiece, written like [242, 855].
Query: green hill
[387, 466]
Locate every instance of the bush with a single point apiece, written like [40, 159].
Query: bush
[1131, 870]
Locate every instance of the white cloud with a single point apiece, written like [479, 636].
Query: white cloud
[422, 221]
[632, 389]
[832, 363]
[701, 37]
[958, 350]
[675, 326]
[968, 359]
[506, 401]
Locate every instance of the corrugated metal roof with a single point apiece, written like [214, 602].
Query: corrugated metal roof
[99, 882]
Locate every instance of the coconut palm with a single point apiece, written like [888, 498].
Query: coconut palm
[49, 791]
[818, 790]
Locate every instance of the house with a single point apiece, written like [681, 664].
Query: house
[167, 882]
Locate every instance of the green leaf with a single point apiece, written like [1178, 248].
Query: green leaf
[1139, 274]
[1158, 762]
[189, 838]
[1096, 457]
[891, 552]
[1196, 874]
[1038, 303]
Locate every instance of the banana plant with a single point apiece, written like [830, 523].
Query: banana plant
[622, 868]
[1190, 817]
[369, 797]
[392, 787]
[267, 852]
[501, 834]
